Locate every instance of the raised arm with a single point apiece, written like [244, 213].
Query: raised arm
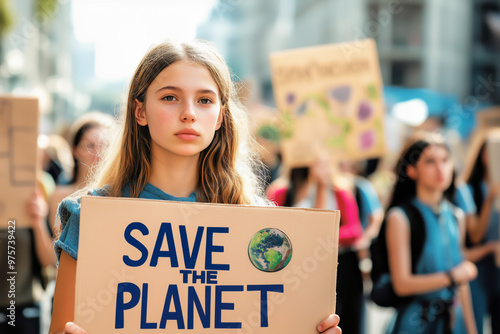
[464, 289]
[399, 252]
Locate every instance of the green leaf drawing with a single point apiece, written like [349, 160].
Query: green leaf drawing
[372, 92]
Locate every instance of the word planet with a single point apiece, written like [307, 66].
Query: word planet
[270, 250]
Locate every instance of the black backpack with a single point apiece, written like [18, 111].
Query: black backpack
[383, 291]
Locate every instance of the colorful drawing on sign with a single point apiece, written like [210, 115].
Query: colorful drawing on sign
[365, 111]
[342, 123]
[270, 250]
[341, 94]
[268, 132]
[330, 102]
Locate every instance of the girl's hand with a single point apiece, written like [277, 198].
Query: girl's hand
[37, 207]
[493, 246]
[330, 325]
[71, 328]
[321, 173]
[464, 272]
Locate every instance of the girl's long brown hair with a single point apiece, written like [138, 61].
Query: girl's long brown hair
[225, 167]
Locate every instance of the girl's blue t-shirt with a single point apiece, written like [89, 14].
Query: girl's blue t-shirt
[69, 213]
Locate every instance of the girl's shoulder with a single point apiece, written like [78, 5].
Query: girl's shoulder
[396, 213]
[68, 216]
[70, 205]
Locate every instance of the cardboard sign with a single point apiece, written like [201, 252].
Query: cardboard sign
[179, 267]
[476, 141]
[489, 118]
[331, 100]
[18, 147]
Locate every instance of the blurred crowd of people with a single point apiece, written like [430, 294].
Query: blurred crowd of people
[450, 283]
[66, 162]
[454, 279]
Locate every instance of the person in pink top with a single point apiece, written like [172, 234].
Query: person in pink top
[313, 187]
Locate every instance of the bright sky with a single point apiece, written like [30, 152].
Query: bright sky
[123, 30]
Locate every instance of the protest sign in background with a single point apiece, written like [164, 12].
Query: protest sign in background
[18, 145]
[493, 150]
[330, 98]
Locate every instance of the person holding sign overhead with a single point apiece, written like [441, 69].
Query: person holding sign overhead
[312, 187]
[183, 138]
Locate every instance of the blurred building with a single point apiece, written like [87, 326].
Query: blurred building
[443, 45]
[41, 56]
[450, 47]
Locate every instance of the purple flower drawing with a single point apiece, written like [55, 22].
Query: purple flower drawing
[365, 111]
[341, 93]
[367, 140]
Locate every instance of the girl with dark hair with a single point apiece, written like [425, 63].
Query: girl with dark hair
[88, 136]
[438, 283]
[484, 233]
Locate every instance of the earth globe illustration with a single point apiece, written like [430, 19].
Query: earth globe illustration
[270, 250]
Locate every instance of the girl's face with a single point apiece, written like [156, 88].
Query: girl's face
[91, 145]
[182, 109]
[434, 168]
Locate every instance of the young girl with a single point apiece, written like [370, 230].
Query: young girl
[184, 138]
[312, 187]
[441, 302]
[89, 135]
[485, 234]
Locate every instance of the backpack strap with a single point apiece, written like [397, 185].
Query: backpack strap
[417, 232]
[378, 249]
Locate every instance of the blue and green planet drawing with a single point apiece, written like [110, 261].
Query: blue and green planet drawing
[270, 250]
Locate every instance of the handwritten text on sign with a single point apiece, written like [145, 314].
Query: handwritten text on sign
[195, 266]
[138, 296]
